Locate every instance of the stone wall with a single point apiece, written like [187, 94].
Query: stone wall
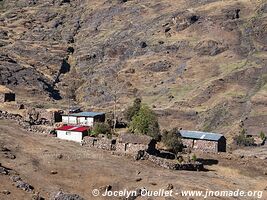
[188, 143]
[2, 97]
[202, 145]
[130, 148]
[100, 143]
[24, 124]
[170, 164]
[208, 146]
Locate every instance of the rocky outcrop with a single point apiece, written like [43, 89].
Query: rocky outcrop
[209, 48]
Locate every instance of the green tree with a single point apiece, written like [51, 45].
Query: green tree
[172, 140]
[145, 122]
[133, 110]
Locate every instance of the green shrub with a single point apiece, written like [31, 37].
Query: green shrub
[180, 159]
[262, 135]
[194, 158]
[243, 140]
[101, 128]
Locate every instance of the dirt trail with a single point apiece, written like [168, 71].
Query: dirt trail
[80, 169]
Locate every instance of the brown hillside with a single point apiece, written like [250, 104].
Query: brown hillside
[201, 64]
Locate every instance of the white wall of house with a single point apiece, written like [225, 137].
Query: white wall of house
[90, 121]
[69, 119]
[70, 135]
[87, 121]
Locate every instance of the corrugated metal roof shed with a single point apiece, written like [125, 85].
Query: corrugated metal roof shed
[198, 135]
[86, 114]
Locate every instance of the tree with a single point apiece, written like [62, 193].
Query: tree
[133, 110]
[145, 122]
[115, 90]
[172, 140]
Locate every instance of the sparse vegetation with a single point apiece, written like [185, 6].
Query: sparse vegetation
[262, 135]
[243, 140]
[194, 158]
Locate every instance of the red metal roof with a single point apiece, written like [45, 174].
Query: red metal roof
[73, 128]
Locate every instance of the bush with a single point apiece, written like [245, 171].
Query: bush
[101, 128]
[194, 158]
[132, 110]
[180, 159]
[262, 135]
[243, 140]
[145, 122]
[172, 140]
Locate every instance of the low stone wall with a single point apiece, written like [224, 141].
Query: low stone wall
[20, 121]
[168, 164]
[100, 143]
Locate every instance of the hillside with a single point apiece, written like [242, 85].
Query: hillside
[201, 64]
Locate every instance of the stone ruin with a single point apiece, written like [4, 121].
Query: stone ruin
[100, 143]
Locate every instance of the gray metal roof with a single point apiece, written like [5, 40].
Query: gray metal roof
[86, 114]
[200, 135]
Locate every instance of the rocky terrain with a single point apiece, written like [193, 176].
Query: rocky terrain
[201, 64]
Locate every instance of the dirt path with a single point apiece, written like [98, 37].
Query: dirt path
[80, 170]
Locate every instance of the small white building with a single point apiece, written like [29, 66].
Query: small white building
[73, 133]
[83, 118]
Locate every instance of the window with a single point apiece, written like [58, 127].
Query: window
[68, 133]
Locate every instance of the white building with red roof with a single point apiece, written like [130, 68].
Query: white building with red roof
[73, 133]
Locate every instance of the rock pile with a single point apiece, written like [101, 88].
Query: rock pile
[63, 196]
[168, 164]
